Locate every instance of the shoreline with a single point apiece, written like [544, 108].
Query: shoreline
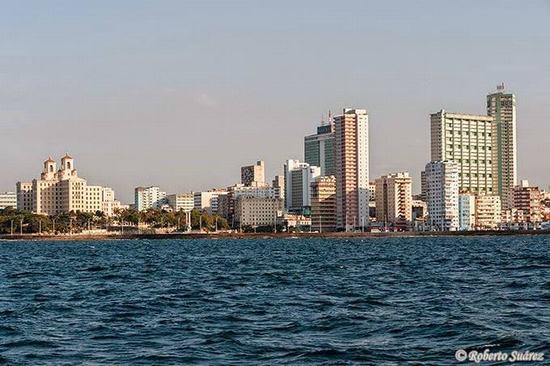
[241, 236]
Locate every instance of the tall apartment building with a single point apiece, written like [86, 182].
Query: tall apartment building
[442, 184]
[466, 211]
[319, 148]
[59, 191]
[181, 201]
[488, 212]
[278, 185]
[8, 199]
[298, 179]
[257, 211]
[502, 107]
[253, 175]
[149, 197]
[323, 204]
[394, 200]
[527, 199]
[468, 140]
[351, 161]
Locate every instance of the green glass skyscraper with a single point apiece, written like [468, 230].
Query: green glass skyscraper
[319, 149]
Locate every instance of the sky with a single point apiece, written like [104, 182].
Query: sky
[181, 94]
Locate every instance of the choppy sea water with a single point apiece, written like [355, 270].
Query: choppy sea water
[251, 302]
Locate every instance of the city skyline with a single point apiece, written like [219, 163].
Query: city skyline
[161, 107]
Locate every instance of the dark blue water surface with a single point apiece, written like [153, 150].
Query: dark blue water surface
[249, 302]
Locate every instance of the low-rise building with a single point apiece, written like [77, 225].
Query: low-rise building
[527, 199]
[488, 212]
[181, 201]
[8, 199]
[256, 211]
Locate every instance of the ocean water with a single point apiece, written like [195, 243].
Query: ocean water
[377, 301]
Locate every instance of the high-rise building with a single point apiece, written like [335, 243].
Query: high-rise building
[149, 197]
[351, 161]
[278, 185]
[319, 148]
[323, 204]
[59, 191]
[181, 201]
[502, 107]
[8, 199]
[442, 195]
[466, 211]
[488, 212]
[253, 175]
[394, 200]
[467, 140]
[298, 179]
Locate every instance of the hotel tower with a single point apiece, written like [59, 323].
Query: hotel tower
[351, 161]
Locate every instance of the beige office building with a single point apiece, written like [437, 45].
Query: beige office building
[181, 201]
[257, 211]
[468, 140]
[488, 212]
[394, 200]
[323, 204]
[351, 161]
[59, 191]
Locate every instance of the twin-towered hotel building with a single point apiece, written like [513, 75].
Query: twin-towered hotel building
[62, 190]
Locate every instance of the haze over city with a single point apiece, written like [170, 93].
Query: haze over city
[181, 94]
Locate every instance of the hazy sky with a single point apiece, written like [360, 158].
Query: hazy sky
[182, 93]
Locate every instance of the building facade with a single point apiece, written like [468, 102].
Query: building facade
[323, 204]
[502, 107]
[181, 201]
[208, 200]
[467, 140]
[351, 160]
[488, 212]
[319, 148]
[298, 179]
[60, 191]
[442, 183]
[394, 200]
[466, 211]
[278, 185]
[253, 175]
[149, 197]
[257, 211]
[527, 199]
[8, 199]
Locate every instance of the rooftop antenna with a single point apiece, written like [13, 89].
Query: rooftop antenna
[500, 87]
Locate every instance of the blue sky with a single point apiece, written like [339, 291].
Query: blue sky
[182, 93]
